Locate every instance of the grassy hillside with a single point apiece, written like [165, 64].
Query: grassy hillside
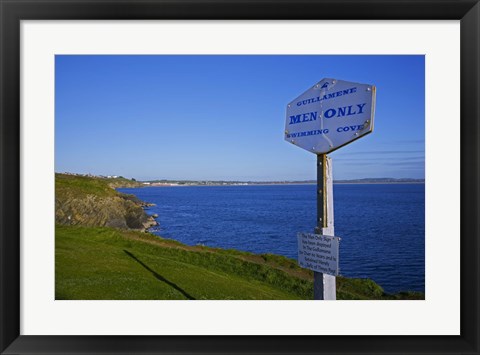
[78, 186]
[106, 263]
[123, 182]
[81, 200]
[95, 261]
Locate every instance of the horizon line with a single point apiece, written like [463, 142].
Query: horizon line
[230, 180]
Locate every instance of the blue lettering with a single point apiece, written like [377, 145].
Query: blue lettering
[304, 117]
[307, 133]
[341, 111]
[294, 119]
[330, 113]
[327, 96]
[360, 107]
[349, 113]
[350, 128]
[345, 111]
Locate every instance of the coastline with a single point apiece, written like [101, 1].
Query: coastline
[91, 213]
[170, 226]
[289, 183]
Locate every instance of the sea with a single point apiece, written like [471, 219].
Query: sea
[381, 226]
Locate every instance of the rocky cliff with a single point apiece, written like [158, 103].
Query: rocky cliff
[88, 201]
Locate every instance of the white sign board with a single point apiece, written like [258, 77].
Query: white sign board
[318, 252]
[330, 115]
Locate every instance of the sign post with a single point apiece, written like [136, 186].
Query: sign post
[326, 117]
[324, 286]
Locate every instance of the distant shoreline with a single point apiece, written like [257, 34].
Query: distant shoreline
[121, 182]
[380, 183]
[289, 183]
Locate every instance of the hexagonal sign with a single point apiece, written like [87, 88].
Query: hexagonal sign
[330, 115]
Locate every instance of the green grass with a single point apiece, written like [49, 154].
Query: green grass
[79, 186]
[104, 263]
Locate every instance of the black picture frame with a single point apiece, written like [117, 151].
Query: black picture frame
[12, 12]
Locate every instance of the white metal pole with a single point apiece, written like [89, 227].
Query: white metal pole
[324, 287]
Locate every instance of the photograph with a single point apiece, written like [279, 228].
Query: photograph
[239, 177]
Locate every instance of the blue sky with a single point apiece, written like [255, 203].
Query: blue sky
[223, 117]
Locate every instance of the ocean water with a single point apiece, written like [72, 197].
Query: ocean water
[381, 225]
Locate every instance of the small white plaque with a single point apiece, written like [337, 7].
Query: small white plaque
[318, 252]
